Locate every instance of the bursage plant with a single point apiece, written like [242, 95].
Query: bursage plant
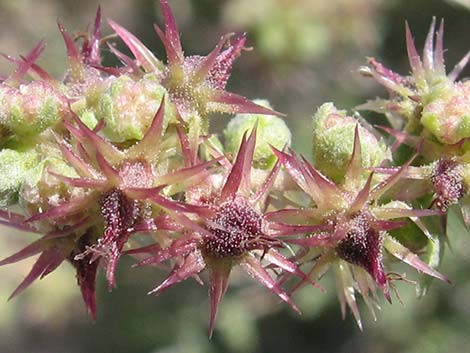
[107, 153]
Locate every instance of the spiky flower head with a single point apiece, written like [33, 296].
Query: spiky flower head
[94, 216]
[99, 148]
[110, 174]
[428, 98]
[436, 110]
[223, 226]
[106, 152]
[355, 226]
[28, 109]
[196, 83]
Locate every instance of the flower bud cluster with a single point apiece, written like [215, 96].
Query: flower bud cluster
[434, 108]
[107, 153]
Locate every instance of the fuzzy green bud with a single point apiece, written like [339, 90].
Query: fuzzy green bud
[15, 169]
[272, 131]
[128, 108]
[333, 142]
[31, 109]
[448, 116]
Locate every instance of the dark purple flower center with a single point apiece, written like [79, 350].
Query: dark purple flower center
[236, 229]
[447, 180]
[86, 270]
[119, 213]
[362, 247]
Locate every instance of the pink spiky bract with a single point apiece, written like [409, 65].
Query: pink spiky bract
[26, 64]
[91, 43]
[87, 57]
[54, 249]
[120, 214]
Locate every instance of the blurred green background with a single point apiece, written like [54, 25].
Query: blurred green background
[305, 52]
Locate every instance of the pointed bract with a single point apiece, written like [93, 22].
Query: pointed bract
[218, 283]
[143, 55]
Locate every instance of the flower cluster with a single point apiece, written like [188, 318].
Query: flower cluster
[107, 153]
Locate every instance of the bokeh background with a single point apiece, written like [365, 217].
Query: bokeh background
[306, 52]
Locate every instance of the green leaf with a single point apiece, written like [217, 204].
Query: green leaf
[434, 251]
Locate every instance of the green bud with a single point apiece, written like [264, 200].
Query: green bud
[448, 116]
[128, 108]
[15, 169]
[31, 109]
[333, 141]
[272, 130]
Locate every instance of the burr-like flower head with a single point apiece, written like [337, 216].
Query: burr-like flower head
[428, 98]
[223, 226]
[28, 109]
[109, 176]
[355, 225]
[196, 83]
